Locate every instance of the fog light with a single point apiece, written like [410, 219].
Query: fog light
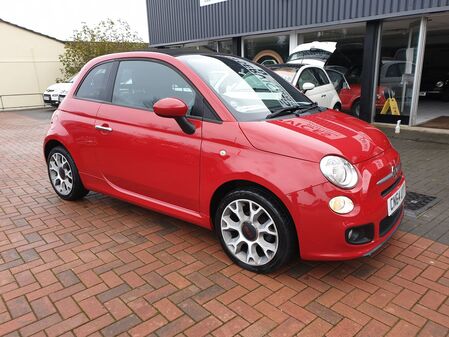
[341, 205]
[360, 235]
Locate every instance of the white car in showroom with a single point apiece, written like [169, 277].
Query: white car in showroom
[56, 92]
[311, 80]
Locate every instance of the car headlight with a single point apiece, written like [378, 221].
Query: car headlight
[439, 84]
[339, 171]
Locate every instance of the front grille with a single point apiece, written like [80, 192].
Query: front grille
[387, 223]
[392, 187]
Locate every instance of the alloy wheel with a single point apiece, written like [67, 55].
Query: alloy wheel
[249, 232]
[61, 173]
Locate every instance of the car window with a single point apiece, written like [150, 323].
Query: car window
[321, 76]
[307, 76]
[140, 84]
[95, 84]
[337, 79]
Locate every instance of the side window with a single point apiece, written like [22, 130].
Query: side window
[307, 76]
[395, 70]
[321, 76]
[336, 79]
[140, 84]
[95, 84]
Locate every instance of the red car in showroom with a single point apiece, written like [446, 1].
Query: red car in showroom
[227, 144]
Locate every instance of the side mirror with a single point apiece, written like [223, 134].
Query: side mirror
[177, 109]
[307, 86]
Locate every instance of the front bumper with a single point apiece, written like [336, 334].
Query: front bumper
[322, 233]
[50, 98]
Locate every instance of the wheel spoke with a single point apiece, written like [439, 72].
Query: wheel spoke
[230, 225]
[268, 248]
[268, 227]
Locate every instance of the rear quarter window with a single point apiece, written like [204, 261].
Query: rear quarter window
[95, 85]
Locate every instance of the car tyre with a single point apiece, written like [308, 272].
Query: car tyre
[355, 109]
[255, 230]
[337, 107]
[64, 176]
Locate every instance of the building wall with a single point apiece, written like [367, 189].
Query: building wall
[177, 21]
[28, 65]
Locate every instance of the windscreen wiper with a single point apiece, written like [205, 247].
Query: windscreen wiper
[296, 109]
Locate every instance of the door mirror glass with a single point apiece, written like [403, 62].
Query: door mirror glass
[170, 108]
[307, 86]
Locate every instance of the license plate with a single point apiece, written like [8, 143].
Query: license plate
[396, 200]
[47, 97]
[422, 93]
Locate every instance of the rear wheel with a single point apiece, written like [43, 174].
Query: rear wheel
[255, 230]
[64, 176]
[337, 107]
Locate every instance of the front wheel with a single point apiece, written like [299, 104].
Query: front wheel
[355, 110]
[255, 230]
[64, 176]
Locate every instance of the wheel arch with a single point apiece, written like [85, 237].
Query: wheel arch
[50, 145]
[231, 185]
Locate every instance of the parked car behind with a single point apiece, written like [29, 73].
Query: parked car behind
[312, 80]
[350, 93]
[248, 156]
[54, 91]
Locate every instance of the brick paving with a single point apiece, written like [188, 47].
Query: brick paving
[102, 267]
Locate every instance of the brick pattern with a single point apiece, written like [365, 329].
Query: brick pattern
[102, 267]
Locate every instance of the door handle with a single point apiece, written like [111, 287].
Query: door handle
[103, 128]
[323, 95]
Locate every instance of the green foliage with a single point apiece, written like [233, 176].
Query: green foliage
[89, 42]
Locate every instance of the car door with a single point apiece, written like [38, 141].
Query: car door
[307, 76]
[328, 93]
[140, 153]
[83, 110]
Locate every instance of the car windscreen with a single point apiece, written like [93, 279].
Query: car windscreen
[249, 91]
[287, 73]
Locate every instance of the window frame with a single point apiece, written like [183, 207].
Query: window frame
[113, 77]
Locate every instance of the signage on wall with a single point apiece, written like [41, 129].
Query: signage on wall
[210, 2]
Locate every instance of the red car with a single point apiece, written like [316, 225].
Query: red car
[226, 144]
[350, 98]
[350, 93]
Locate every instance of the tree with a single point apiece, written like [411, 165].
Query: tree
[89, 42]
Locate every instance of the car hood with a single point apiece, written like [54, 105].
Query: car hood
[313, 136]
[58, 87]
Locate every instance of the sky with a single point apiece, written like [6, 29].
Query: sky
[58, 18]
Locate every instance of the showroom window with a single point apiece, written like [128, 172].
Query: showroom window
[397, 71]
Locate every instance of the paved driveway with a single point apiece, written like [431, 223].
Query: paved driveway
[105, 267]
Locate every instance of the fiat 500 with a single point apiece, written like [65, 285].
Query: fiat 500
[227, 144]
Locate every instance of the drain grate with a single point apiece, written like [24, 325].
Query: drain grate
[416, 203]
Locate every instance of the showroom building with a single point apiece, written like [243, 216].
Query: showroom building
[385, 48]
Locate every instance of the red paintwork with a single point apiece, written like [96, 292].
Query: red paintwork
[170, 107]
[148, 160]
[349, 95]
